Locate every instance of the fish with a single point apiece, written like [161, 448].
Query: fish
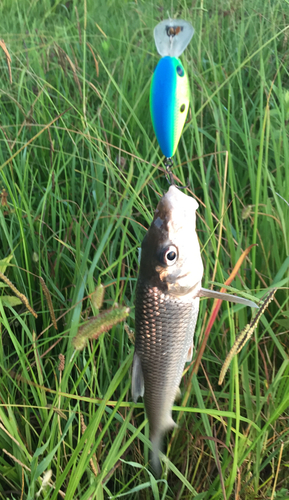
[169, 90]
[168, 292]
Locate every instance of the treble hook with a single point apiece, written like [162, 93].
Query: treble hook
[168, 163]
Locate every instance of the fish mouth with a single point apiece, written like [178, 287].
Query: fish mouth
[179, 290]
[174, 284]
[179, 277]
[163, 273]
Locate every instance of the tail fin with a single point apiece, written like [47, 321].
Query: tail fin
[156, 440]
[155, 460]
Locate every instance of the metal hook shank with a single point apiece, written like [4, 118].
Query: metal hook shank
[168, 163]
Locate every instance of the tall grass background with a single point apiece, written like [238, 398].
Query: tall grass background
[80, 177]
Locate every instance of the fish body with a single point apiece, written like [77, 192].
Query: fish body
[169, 103]
[167, 306]
[166, 309]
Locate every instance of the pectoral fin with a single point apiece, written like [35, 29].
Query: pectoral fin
[178, 394]
[190, 353]
[137, 383]
[211, 294]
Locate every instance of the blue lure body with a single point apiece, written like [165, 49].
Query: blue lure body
[169, 103]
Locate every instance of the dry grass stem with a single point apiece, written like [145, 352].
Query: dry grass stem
[8, 58]
[91, 461]
[94, 58]
[130, 333]
[16, 460]
[277, 471]
[49, 301]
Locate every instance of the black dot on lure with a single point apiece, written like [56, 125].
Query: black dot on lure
[180, 71]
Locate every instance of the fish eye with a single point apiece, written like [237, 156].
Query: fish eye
[170, 255]
[180, 71]
[182, 108]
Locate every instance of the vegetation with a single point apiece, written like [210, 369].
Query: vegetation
[80, 176]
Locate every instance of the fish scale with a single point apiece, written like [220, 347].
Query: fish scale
[165, 327]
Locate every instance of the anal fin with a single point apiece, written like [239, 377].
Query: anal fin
[137, 383]
[190, 353]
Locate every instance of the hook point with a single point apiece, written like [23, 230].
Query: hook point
[168, 163]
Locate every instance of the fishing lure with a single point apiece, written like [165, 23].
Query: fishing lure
[170, 93]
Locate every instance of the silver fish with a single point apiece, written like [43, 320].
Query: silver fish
[166, 309]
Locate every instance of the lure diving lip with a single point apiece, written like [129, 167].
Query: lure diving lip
[172, 36]
[170, 92]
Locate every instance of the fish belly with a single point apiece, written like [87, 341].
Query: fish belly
[165, 328]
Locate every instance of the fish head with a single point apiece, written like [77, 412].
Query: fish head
[171, 257]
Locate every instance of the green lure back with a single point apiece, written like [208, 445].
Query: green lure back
[169, 103]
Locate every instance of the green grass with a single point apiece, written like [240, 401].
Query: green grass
[81, 193]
